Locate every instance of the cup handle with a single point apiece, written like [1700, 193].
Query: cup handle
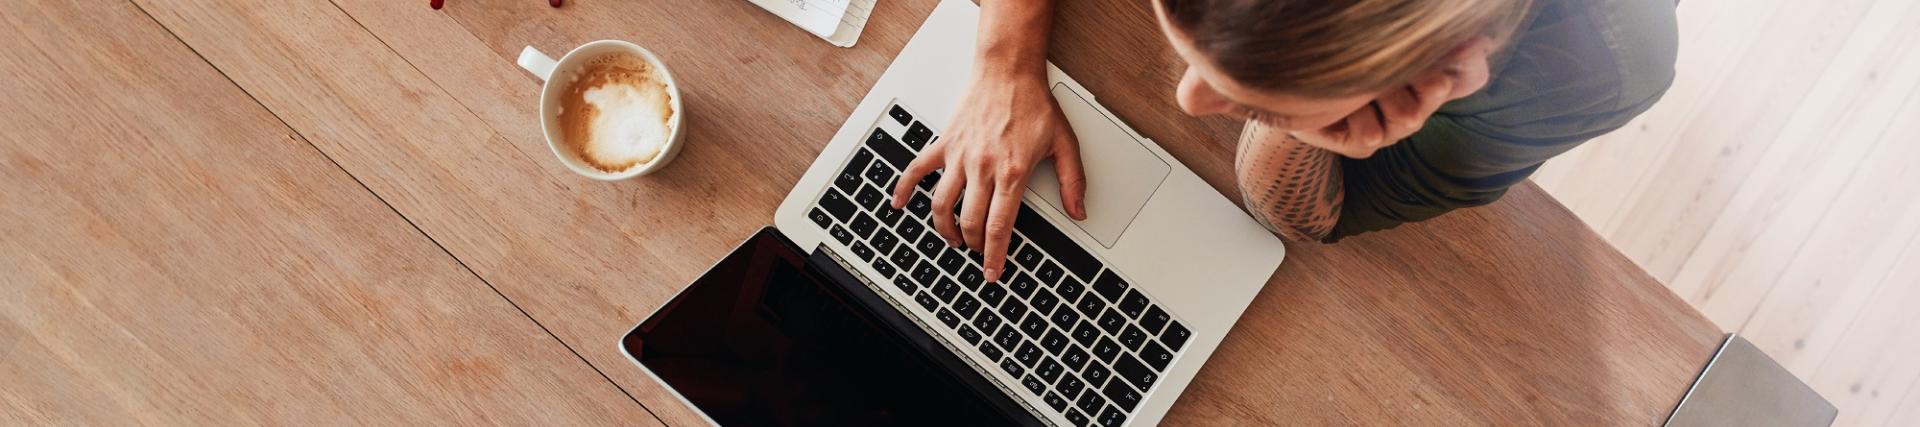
[537, 63]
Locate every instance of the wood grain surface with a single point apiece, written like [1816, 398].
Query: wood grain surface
[175, 255]
[1515, 313]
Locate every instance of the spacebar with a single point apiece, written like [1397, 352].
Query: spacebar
[1055, 243]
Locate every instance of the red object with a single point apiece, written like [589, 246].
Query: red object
[555, 3]
[437, 3]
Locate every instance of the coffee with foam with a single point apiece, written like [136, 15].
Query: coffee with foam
[616, 113]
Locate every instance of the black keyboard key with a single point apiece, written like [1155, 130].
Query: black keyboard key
[927, 182]
[1009, 336]
[905, 284]
[840, 234]
[917, 135]
[966, 305]
[1091, 306]
[1064, 317]
[1122, 395]
[1069, 385]
[1012, 368]
[900, 115]
[1155, 319]
[863, 225]
[1054, 400]
[820, 218]
[1090, 402]
[884, 240]
[1028, 257]
[1049, 370]
[1110, 286]
[903, 256]
[1085, 334]
[1048, 273]
[1132, 337]
[1023, 285]
[1034, 384]
[946, 289]
[868, 198]
[1033, 325]
[883, 267]
[987, 321]
[992, 352]
[887, 215]
[924, 273]
[951, 261]
[1134, 304]
[1095, 374]
[910, 230]
[926, 301]
[849, 179]
[946, 316]
[1106, 349]
[1113, 417]
[919, 204]
[970, 276]
[1075, 358]
[1013, 310]
[1054, 341]
[1111, 321]
[1134, 372]
[1070, 289]
[890, 149]
[880, 174]
[838, 205]
[977, 259]
[992, 293]
[968, 333]
[861, 250]
[931, 245]
[1156, 356]
[1175, 336]
[1028, 354]
[1056, 244]
[1078, 419]
[1044, 301]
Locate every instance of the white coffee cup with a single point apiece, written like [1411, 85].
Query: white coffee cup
[557, 74]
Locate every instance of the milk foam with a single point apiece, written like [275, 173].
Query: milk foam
[631, 126]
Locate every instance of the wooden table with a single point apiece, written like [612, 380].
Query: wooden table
[350, 215]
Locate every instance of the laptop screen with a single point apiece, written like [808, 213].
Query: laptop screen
[761, 339]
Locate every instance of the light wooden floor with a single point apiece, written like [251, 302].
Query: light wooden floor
[1775, 189]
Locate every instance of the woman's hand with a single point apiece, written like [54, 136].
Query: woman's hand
[1398, 113]
[1007, 123]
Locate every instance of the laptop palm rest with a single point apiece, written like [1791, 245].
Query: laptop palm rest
[1122, 173]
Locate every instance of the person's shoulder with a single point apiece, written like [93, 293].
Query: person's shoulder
[1576, 69]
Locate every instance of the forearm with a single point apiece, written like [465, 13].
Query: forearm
[1292, 188]
[1013, 36]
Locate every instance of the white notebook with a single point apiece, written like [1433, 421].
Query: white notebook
[837, 21]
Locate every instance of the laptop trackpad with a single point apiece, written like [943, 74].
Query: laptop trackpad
[1121, 172]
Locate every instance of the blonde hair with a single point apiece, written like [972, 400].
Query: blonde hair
[1332, 48]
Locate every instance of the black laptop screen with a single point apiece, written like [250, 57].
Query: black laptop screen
[762, 340]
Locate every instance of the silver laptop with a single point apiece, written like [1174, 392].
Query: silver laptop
[1111, 317]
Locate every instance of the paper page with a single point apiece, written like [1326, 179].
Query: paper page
[820, 17]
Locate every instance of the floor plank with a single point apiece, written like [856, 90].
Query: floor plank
[174, 254]
[1872, 367]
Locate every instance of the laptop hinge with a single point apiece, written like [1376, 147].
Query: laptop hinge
[919, 333]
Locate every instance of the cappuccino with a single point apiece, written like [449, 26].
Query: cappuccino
[616, 113]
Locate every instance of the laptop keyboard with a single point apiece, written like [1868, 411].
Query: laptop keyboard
[1073, 332]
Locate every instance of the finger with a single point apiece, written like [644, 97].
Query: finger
[1073, 177]
[1431, 93]
[1400, 113]
[945, 194]
[932, 158]
[1363, 127]
[1000, 219]
[973, 210]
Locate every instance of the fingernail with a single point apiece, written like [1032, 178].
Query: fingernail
[993, 274]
